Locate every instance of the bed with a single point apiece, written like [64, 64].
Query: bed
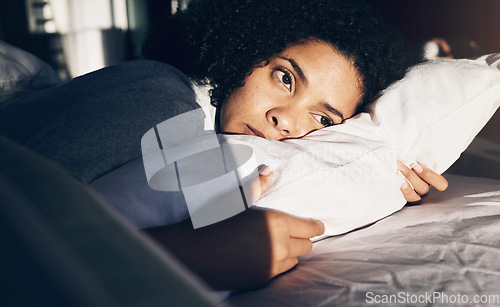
[443, 251]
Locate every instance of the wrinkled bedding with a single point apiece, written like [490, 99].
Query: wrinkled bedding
[442, 252]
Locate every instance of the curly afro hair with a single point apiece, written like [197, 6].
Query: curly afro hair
[220, 42]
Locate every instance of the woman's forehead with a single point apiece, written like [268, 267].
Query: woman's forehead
[318, 54]
[325, 67]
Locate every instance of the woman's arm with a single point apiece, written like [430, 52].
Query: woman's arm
[242, 252]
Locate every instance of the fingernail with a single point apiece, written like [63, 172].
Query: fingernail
[417, 168]
[321, 227]
[404, 185]
[265, 171]
[400, 167]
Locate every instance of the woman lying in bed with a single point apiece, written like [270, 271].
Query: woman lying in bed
[279, 69]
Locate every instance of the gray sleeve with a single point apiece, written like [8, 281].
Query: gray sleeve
[94, 123]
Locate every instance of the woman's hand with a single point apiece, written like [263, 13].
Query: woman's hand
[419, 179]
[242, 252]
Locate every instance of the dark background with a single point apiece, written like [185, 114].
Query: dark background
[477, 20]
[457, 20]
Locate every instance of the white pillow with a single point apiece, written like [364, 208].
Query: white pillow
[433, 114]
[346, 175]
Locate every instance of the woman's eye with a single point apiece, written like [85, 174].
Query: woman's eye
[285, 78]
[325, 121]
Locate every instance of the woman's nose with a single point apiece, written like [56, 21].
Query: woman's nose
[285, 122]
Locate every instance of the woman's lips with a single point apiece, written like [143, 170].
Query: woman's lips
[251, 131]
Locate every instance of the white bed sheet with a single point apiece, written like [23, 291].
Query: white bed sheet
[449, 246]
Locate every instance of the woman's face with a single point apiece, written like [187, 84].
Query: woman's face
[306, 87]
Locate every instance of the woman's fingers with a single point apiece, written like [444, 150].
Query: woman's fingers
[266, 175]
[300, 247]
[418, 180]
[303, 228]
[410, 195]
[429, 176]
[297, 247]
[284, 266]
[290, 238]
[287, 257]
[419, 185]
[261, 184]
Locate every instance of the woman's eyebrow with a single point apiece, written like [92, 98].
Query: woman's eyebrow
[333, 110]
[297, 69]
